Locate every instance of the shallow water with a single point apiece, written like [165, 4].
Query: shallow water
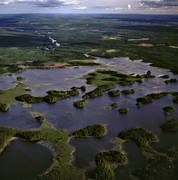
[64, 116]
[24, 160]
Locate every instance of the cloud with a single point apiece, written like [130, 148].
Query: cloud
[42, 3]
[159, 3]
[80, 8]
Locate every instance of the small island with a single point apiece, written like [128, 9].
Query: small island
[168, 109]
[123, 110]
[96, 131]
[128, 91]
[4, 107]
[170, 126]
[114, 93]
[79, 104]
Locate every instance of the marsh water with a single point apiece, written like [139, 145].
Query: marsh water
[64, 116]
[24, 160]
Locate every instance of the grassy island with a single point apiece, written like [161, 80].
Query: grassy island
[99, 91]
[96, 131]
[51, 98]
[104, 161]
[112, 156]
[168, 109]
[170, 81]
[164, 76]
[79, 104]
[4, 107]
[170, 126]
[83, 88]
[148, 75]
[8, 96]
[114, 93]
[128, 91]
[102, 76]
[150, 97]
[123, 110]
[140, 136]
[175, 100]
[40, 119]
[108, 79]
[20, 78]
[114, 105]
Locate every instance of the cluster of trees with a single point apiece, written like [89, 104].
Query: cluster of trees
[51, 98]
[128, 91]
[140, 136]
[96, 131]
[103, 160]
[170, 81]
[168, 109]
[170, 126]
[123, 110]
[80, 104]
[150, 97]
[98, 91]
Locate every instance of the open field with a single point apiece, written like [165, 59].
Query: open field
[151, 38]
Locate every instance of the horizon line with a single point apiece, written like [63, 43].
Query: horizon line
[86, 13]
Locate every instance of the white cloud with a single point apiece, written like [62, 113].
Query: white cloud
[80, 8]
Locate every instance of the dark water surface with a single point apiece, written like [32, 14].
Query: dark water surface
[23, 160]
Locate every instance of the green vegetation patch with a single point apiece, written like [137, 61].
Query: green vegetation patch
[104, 161]
[9, 96]
[114, 93]
[114, 105]
[123, 110]
[159, 167]
[61, 167]
[170, 126]
[175, 100]
[128, 91]
[6, 133]
[103, 76]
[40, 119]
[4, 107]
[79, 104]
[83, 88]
[148, 75]
[51, 98]
[168, 109]
[20, 78]
[87, 62]
[150, 97]
[112, 156]
[164, 76]
[170, 81]
[96, 131]
[99, 91]
[142, 137]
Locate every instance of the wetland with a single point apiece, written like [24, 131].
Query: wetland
[88, 109]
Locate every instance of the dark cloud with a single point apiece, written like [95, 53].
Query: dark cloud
[159, 4]
[42, 3]
[48, 3]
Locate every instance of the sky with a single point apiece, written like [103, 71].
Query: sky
[89, 6]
